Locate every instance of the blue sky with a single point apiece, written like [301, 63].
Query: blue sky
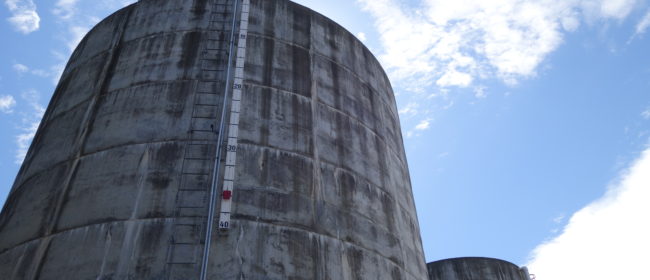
[526, 123]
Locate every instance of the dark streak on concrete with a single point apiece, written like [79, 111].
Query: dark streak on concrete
[191, 44]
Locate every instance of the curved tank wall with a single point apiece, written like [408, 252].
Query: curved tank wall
[115, 183]
[475, 268]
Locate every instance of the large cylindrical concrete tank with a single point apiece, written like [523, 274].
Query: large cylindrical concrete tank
[312, 178]
[475, 268]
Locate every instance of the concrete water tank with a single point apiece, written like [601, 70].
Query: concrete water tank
[306, 155]
[475, 268]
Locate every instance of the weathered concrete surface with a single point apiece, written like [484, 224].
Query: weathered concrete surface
[474, 268]
[115, 183]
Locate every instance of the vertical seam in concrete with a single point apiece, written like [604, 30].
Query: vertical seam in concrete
[41, 251]
[107, 247]
[127, 251]
[81, 140]
[18, 264]
[238, 254]
[142, 172]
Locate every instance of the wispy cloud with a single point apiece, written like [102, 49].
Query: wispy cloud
[646, 114]
[65, 9]
[53, 73]
[643, 24]
[362, 36]
[29, 124]
[7, 103]
[20, 68]
[557, 221]
[77, 33]
[24, 17]
[57, 69]
[409, 110]
[607, 239]
[423, 125]
[617, 9]
[455, 43]
[76, 26]
[452, 43]
[480, 92]
[24, 139]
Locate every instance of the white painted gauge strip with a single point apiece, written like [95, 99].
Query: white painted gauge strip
[217, 164]
[233, 129]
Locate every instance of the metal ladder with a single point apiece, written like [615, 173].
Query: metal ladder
[188, 230]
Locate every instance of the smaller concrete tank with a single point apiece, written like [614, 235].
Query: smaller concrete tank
[475, 268]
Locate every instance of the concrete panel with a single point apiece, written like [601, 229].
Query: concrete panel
[281, 20]
[56, 140]
[281, 252]
[121, 250]
[152, 17]
[273, 169]
[136, 182]
[146, 113]
[277, 64]
[78, 85]
[276, 119]
[29, 208]
[18, 262]
[160, 57]
[339, 88]
[101, 39]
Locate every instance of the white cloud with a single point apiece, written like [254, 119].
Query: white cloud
[362, 36]
[20, 68]
[456, 43]
[559, 219]
[618, 9]
[65, 9]
[24, 17]
[423, 125]
[643, 24]
[607, 239]
[452, 43]
[77, 33]
[646, 114]
[57, 69]
[30, 123]
[7, 103]
[54, 72]
[410, 109]
[77, 28]
[41, 73]
[479, 92]
[23, 140]
[454, 78]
